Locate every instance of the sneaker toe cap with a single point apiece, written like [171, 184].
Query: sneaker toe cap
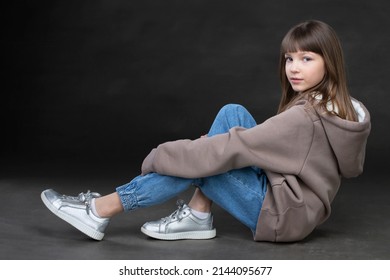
[51, 195]
[152, 226]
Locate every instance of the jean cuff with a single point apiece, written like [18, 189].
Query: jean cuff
[128, 198]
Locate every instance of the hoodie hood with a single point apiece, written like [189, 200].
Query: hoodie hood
[348, 139]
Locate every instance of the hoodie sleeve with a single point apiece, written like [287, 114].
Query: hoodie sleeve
[280, 144]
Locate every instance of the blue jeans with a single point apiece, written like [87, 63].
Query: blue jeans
[240, 192]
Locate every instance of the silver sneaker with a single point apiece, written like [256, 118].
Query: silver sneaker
[181, 224]
[76, 211]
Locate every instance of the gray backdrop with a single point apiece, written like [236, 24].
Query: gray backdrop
[105, 81]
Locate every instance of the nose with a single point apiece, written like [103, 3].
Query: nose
[294, 67]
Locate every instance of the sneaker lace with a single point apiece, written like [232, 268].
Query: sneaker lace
[177, 213]
[82, 198]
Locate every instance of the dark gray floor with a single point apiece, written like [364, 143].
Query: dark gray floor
[359, 227]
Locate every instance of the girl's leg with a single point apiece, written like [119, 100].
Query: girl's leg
[150, 189]
[107, 206]
[200, 202]
[147, 190]
[199, 225]
[90, 213]
[240, 192]
[144, 191]
[229, 116]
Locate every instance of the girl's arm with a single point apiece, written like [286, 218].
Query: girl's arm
[280, 144]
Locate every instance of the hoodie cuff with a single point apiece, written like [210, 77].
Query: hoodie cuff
[147, 165]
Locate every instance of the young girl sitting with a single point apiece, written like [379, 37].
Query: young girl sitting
[278, 177]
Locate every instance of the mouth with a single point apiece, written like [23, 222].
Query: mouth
[295, 80]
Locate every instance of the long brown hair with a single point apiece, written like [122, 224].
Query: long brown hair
[320, 38]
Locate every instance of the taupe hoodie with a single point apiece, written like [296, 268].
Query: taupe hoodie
[304, 152]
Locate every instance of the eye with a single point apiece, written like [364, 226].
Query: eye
[306, 58]
[288, 58]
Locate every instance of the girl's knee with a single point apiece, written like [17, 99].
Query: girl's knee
[237, 111]
[232, 106]
[231, 115]
[233, 109]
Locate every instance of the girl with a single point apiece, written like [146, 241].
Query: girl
[278, 178]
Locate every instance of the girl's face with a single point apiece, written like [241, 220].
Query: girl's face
[304, 70]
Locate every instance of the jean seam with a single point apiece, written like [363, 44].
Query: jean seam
[245, 185]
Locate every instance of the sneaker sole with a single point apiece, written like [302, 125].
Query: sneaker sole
[72, 221]
[203, 234]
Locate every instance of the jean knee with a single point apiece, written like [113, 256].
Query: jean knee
[237, 115]
[232, 108]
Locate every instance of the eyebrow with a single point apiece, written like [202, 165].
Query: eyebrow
[300, 52]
